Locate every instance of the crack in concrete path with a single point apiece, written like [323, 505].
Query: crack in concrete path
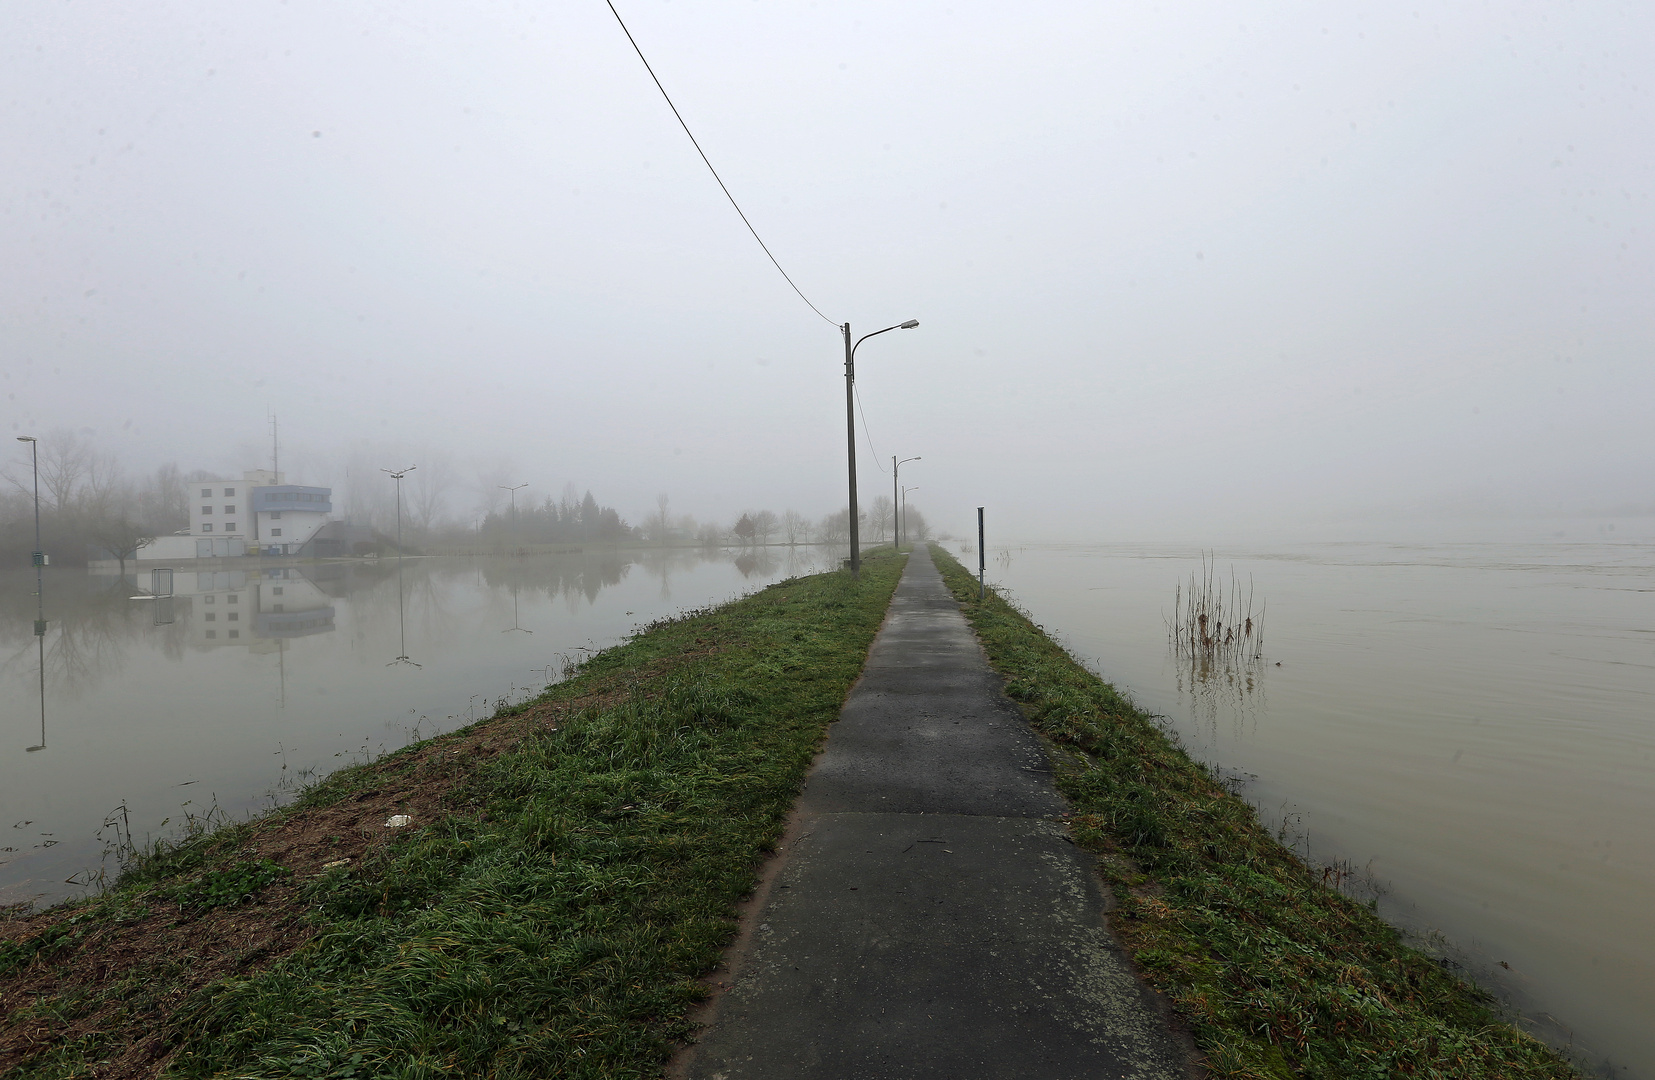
[929, 917]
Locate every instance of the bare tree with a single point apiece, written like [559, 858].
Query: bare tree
[764, 526]
[881, 517]
[119, 536]
[662, 522]
[835, 528]
[489, 480]
[426, 495]
[162, 503]
[794, 527]
[64, 459]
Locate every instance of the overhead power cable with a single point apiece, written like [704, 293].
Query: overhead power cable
[866, 432]
[709, 163]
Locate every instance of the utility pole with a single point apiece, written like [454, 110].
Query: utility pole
[850, 446]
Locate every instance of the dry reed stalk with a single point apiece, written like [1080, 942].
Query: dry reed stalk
[1214, 621]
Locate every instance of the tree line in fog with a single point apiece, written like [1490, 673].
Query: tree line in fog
[92, 508]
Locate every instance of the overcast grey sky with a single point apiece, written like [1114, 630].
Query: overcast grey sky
[1175, 265]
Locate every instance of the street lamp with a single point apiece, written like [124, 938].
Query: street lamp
[850, 427]
[39, 559]
[402, 626]
[905, 492]
[397, 476]
[896, 538]
[513, 489]
[34, 456]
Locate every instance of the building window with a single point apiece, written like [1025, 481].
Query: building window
[235, 633]
[206, 493]
[234, 616]
[278, 607]
[212, 616]
[275, 532]
[233, 598]
[206, 509]
[229, 526]
[229, 493]
[275, 515]
[229, 509]
[209, 598]
[275, 590]
[206, 526]
[212, 633]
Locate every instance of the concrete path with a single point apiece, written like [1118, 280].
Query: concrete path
[929, 918]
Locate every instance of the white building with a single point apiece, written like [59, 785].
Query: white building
[266, 515]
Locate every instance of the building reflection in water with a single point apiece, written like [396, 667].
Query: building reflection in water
[256, 609]
[261, 609]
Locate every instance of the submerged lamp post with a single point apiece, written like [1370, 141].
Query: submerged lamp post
[896, 526]
[513, 489]
[39, 559]
[397, 475]
[850, 428]
[402, 626]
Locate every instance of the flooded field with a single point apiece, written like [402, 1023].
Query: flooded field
[250, 680]
[1470, 728]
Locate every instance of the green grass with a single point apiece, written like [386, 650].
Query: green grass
[1277, 975]
[554, 923]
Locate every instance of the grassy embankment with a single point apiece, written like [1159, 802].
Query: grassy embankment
[572, 866]
[1276, 974]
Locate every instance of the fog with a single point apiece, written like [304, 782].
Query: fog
[1179, 271]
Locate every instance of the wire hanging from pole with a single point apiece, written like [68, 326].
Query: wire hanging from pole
[867, 434]
[709, 163]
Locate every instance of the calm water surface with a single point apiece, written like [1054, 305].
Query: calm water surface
[1474, 723]
[251, 680]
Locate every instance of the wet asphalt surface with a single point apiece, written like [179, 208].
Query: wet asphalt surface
[929, 917]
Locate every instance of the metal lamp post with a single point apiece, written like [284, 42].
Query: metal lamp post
[402, 626]
[513, 489]
[850, 428]
[397, 476]
[905, 491]
[896, 526]
[39, 559]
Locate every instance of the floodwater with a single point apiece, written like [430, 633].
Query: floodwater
[1471, 727]
[251, 680]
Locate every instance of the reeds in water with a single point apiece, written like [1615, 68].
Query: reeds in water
[1214, 620]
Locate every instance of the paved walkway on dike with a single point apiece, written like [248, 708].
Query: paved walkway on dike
[928, 917]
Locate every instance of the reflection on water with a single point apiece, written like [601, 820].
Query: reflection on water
[1229, 691]
[233, 683]
[1473, 721]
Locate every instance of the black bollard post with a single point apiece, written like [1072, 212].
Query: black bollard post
[982, 557]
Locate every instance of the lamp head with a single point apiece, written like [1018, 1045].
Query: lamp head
[910, 324]
[25, 438]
